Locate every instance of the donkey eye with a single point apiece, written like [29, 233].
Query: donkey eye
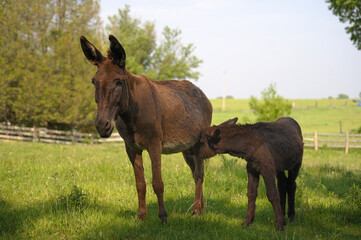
[118, 83]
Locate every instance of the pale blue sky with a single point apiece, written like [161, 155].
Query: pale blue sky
[297, 44]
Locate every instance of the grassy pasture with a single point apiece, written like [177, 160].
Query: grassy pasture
[50, 191]
[38, 199]
[324, 118]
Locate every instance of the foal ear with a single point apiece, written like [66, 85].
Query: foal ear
[117, 51]
[214, 136]
[229, 122]
[91, 53]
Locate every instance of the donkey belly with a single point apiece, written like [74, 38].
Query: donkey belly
[184, 131]
[169, 148]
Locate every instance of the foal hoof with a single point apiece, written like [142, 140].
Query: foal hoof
[163, 217]
[280, 227]
[291, 218]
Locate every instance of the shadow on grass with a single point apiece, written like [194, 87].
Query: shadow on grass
[221, 218]
[221, 221]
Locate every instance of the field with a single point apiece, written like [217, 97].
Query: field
[50, 191]
[322, 115]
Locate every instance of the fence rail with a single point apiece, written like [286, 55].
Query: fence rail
[332, 140]
[315, 140]
[53, 136]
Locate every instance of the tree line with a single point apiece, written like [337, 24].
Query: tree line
[45, 78]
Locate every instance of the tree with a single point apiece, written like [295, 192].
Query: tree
[349, 11]
[44, 76]
[45, 79]
[172, 60]
[139, 40]
[168, 59]
[272, 107]
[342, 96]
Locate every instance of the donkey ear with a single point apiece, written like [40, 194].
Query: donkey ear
[229, 122]
[117, 51]
[214, 136]
[91, 53]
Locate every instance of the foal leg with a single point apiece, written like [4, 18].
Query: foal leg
[253, 180]
[273, 197]
[197, 167]
[137, 162]
[282, 189]
[157, 182]
[291, 190]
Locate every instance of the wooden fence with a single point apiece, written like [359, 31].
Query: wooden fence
[332, 140]
[314, 140]
[52, 136]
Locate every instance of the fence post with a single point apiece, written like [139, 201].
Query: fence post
[36, 134]
[92, 138]
[347, 141]
[316, 141]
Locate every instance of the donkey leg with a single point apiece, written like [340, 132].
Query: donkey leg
[282, 189]
[291, 190]
[137, 162]
[198, 173]
[253, 180]
[157, 182]
[273, 197]
[198, 178]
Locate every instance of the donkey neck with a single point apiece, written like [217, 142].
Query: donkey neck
[128, 111]
[132, 83]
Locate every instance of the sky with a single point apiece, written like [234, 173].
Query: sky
[297, 44]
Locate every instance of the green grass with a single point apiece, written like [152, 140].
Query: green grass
[50, 191]
[325, 118]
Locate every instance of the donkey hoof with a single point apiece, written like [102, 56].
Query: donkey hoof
[291, 218]
[247, 222]
[196, 212]
[142, 214]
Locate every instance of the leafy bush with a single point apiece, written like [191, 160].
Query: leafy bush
[342, 96]
[272, 107]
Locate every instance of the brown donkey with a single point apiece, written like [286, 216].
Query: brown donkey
[270, 149]
[160, 117]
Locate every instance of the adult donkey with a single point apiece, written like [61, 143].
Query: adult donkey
[160, 117]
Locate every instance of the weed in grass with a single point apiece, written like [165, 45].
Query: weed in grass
[353, 197]
[351, 206]
[77, 199]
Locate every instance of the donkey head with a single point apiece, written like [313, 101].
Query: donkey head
[110, 81]
[210, 139]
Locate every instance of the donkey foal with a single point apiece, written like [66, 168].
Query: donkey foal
[270, 148]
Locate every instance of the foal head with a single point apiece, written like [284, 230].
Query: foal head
[110, 82]
[210, 139]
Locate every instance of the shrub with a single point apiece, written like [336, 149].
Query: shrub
[272, 107]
